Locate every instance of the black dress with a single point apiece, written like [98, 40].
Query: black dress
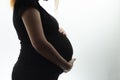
[30, 64]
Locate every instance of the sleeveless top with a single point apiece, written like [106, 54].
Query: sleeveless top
[28, 55]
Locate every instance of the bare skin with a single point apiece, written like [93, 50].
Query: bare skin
[61, 30]
[32, 21]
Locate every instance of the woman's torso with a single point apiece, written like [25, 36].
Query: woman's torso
[28, 55]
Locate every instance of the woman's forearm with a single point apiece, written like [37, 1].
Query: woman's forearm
[50, 53]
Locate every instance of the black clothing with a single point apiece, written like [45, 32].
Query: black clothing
[30, 64]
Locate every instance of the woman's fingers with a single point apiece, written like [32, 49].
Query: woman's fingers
[73, 59]
[61, 30]
[71, 62]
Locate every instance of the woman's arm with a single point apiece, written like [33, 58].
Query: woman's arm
[32, 20]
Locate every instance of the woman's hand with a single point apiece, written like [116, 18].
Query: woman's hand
[71, 62]
[61, 30]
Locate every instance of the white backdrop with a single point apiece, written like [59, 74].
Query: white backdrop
[93, 27]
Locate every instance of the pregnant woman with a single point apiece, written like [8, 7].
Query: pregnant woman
[45, 51]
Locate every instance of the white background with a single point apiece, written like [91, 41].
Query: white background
[93, 27]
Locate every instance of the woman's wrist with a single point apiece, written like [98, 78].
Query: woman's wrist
[66, 67]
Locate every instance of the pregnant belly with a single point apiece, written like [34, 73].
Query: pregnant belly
[62, 45]
[29, 56]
